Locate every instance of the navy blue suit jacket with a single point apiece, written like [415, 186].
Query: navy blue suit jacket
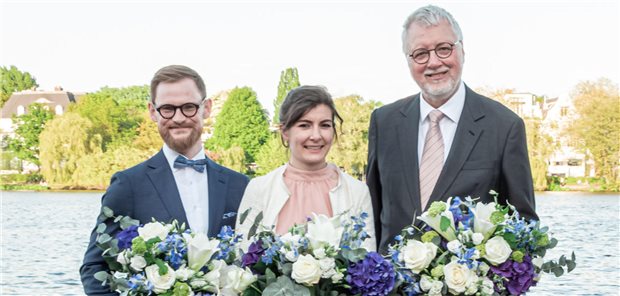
[147, 191]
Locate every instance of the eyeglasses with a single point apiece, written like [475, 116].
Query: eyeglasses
[168, 111]
[442, 50]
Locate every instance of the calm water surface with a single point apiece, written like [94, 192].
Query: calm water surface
[44, 236]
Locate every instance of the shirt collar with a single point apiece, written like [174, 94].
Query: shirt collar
[172, 155]
[451, 109]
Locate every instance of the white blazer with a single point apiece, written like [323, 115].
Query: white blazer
[269, 193]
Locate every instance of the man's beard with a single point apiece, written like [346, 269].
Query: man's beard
[181, 145]
[440, 93]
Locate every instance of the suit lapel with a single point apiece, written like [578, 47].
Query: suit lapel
[162, 179]
[217, 196]
[465, 138]
[407, 135]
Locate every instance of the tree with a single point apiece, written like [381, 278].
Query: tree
[351, 148]
[242, 122]
[12, 80]
[115, 113]
[596, 127]
[148, 138]
[64, 141]
[232, 158]
[540, 147]
[271, 155]
[289, 79]
[25, 144]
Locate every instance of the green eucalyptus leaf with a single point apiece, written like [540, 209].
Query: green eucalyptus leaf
[126, 222]
[284, 286]
[270, 277]
[101, 228]
[571, 265]
[244, 215]
[354, 255]
[562, 260]
[104, 238]
[558, 271]
[101, 276]
[107, 212]
[552, 243]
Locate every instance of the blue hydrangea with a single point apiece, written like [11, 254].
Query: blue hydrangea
[126, 236]
[372, 276]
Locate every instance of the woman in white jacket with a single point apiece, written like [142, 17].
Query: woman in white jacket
[307, 184]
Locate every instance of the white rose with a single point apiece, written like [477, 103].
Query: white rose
[236, 278]
[458, 277]
[328, 266]
[319, 253]
[454, 246]
[417, 255]
[486, 288]
[482, 219]
[291, 255]
[436, 289]
[477, 238]
[306, 270]
[161, 283]
[138, 263]
[435, 222]
[497, 250]
[290, 240]
[336, 278]
[472, 288]
[324, 231]
[184, 273]
[152, 230]
[122, 258]
[426, 283]
[200, 249]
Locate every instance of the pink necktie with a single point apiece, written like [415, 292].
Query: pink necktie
[432, 158]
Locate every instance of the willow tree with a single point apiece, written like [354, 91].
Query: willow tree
[351, 148]
[64, 141]
[596, 127]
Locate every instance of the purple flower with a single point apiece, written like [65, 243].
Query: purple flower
[519, 277]
[372, 276]
[255, 251]
[126, 236]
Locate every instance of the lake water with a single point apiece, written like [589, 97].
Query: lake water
[44, 236]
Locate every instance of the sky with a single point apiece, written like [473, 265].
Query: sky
[540, 47]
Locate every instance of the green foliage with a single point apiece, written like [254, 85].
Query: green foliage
[242, 122]
[289, 79]
[148, 138]
[351, 148]
[596, 128]
[115, 113]
[271, 155]
[232, 158]
[540, 147]
[12, 80]
[62, 143]
[25, 144]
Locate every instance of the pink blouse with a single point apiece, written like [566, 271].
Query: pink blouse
[309, 194]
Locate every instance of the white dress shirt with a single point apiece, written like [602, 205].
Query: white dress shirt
[452, 110]
[193, 189]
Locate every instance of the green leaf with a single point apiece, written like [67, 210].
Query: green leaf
[572, 256]
[562, 260]
[101, 276]
[284, 286]
[354, 255]
[257, 221]
[571, 265]
[270, 277]
[244, 215]
[107, 212]
[104, 238]
[101, 228]
[127, 221]
[552, 243]
[558, 271]
[163, 269]
[444, 223]
[118, 218]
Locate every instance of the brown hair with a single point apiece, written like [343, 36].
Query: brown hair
[301, 100]
[174, 73]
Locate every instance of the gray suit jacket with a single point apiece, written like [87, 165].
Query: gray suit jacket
[147, 191]
[489, 151]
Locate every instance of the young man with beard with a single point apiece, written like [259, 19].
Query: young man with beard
[445, 141]
[179, 182]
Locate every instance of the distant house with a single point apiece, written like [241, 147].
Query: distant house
[57, 100]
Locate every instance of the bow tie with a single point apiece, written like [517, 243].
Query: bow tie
[182, 162]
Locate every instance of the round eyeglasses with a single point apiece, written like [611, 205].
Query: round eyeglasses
[442, 50]
[168, 111]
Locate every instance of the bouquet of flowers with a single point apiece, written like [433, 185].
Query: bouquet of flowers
[323, 257]
[473, 249]
[167, 259]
